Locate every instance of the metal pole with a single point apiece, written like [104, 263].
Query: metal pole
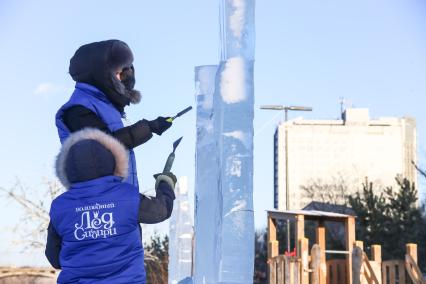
[287, 191]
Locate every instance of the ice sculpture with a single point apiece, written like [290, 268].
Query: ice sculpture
[207, 196]
[180, 235]
[224, 221]
[233, 127]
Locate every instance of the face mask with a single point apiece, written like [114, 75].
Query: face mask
[127, 77]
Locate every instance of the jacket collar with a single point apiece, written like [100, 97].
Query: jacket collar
[92, 91]
[89, 184]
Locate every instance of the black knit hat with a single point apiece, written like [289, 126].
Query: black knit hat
[97, 63]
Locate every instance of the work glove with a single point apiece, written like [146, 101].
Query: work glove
[168, 177]
[159, 125]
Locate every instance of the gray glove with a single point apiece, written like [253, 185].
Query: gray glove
[168, 177]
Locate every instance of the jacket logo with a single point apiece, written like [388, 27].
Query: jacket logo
[94, 225]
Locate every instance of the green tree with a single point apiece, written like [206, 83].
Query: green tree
[391, 219]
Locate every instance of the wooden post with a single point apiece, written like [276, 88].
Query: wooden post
[414, 272]
[303, 252]
[280, 270]
[376, 253]
[376, 262]
[272, 272]
[272, 249]
[287, 276]
[300, 230]
[272, 238]
[411, 249]
[356, 265]
[359, 244]
[320, 240]
[315, 263]
[350, 239]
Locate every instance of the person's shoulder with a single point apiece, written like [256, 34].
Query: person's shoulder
[60, 202]
[127, 189]
[77, 110]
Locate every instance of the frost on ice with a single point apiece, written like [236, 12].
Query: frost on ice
[207, 199]
[232, 86]
[237, 18]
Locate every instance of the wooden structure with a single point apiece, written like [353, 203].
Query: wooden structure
[314, 268]
[340, 270]
[387, 272]
[28, 275]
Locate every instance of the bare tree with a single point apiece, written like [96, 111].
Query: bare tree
[333, 192]
[331, 196]
[31, 228]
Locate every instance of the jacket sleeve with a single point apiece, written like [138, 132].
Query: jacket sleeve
[159, 208]
[53, 247]
[79, 117]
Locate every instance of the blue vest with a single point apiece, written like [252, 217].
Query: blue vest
[93, 99]
[97, 221]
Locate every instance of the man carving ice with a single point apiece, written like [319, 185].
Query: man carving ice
[105, 81]
[94, 234]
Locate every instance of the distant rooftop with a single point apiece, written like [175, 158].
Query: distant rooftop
[308, 214]
[351, 116]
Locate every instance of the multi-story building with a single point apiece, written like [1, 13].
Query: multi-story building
[321, 154]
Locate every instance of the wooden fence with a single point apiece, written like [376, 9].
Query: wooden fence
[376, 271]
[284, 269]
[336, 271]
[307, 268]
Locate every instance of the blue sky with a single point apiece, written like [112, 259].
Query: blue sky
[373, 53]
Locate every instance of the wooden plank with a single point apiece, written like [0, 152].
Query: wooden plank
[401, 272]
[320, 240]
[315, 263]
[336, 273]
[304, 260]
[376, 253]
[356, 265]
[359, 244]
[342, 272]
[287, 270]
[280, 270]
[384, 273]
[272, 238]
[377, 268]
[411, 249]
[392, 274]
[296, 270]
[272, 274]
[291, 271]
[413, 270]
[350, 239]
[372, 276]
[300, 230]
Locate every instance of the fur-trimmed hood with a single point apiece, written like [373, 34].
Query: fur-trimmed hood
[96, 64]
[89, 154]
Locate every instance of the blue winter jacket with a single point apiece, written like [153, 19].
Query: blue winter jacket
[93, 99]
[101, 239]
